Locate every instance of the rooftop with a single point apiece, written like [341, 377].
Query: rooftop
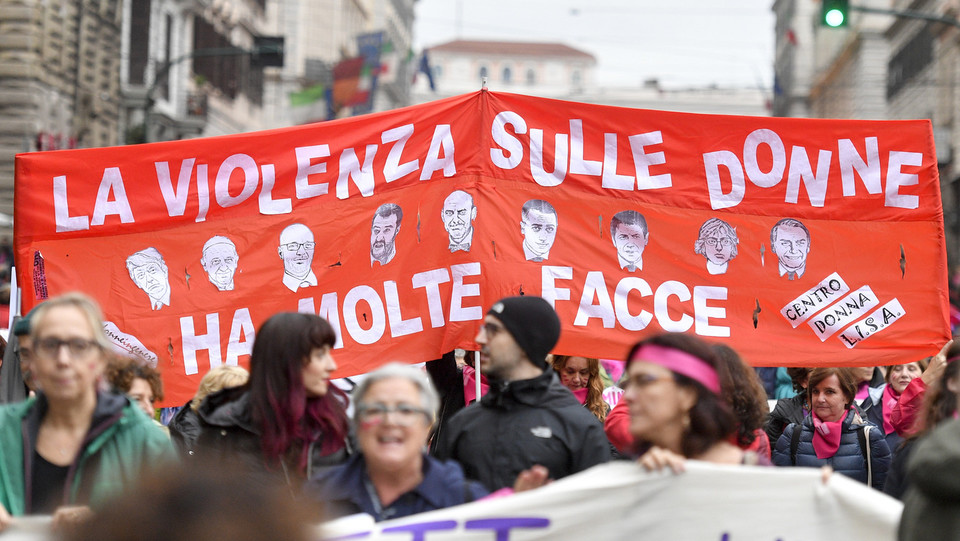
[518, 48]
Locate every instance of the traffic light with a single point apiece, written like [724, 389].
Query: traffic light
[834, 13]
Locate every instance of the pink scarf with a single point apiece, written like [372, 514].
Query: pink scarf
[889, 401]
[826, 436]
[470, 384]
[581, 395]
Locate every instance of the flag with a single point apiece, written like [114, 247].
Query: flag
[308, 95]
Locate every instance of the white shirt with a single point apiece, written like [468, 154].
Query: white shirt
[293, 283]
[531, 256]
[630, 265]
[792, 273]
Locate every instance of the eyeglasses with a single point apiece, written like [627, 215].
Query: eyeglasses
[404, 414]
[713, 242]
[642, 381]
[295, 246]
[77, 347]
[492, 329]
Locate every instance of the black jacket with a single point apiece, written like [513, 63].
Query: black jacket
[522, 423]
[228, 433]
[787, 411]
[185, 429]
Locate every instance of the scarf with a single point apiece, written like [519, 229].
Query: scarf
[826, 436]
[888, 400]
[470, 385]
[581, 395]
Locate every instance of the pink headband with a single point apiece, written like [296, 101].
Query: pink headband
[680, 362]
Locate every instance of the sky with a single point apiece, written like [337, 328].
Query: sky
[682, 43]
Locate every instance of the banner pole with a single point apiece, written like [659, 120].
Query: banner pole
[476, 368]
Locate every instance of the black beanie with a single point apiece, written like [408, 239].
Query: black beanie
[532, 322]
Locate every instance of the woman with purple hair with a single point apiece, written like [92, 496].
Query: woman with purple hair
[287, 421]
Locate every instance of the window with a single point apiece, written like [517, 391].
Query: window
[483, 71]
[531, 77]
[507, 74]
[575, 78]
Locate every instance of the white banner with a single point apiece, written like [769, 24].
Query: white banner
[620, 501]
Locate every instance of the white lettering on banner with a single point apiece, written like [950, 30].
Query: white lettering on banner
[311, 162]
[192, 342]
[843, 312]
[386, 312]
[617, 310]
[814, 299]
[120, 206]
[61, 210]
[800, 170]
[880, 319]
[508, 154]
[657, 506]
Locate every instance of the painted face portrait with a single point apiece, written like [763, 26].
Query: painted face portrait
[630, 240]
[383, 236]
[458, 214]
[220, 261]
[296, 250]
[539, 230]
[717, 243]
[791, 243]
[149, 272]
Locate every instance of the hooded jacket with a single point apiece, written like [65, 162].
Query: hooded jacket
[849, 459]
[931, 507]
[121, 443]
[518, 424]
[228, 432]
[343, 490]
[185, 429]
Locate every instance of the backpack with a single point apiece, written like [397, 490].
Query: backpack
[863, 435]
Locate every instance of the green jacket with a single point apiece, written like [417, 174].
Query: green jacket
[120, 444]
[931, 507]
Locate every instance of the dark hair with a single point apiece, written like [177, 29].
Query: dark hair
[848, 383]
[940, 403]
[286, 416]
[202, 501]
[798, 376]
[386, 209]
[122, 370]
[741, 388]
[711, 420]
[538, 205]
[788, 222]
[627, 217]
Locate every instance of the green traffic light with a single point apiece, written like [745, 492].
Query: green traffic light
[834, 18]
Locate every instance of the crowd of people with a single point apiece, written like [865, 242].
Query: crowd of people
[80, 429]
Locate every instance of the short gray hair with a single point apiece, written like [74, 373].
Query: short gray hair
[429, 398]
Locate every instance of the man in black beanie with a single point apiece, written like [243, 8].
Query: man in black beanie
[527, 418]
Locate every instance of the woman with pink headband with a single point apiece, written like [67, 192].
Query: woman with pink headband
[676, 411]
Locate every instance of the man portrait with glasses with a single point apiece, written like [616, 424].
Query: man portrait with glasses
[628, 230]
[717, 242]
[296, 250]
[148, 270]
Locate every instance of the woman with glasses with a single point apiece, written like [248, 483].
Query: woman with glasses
[287, 421]
[392, 476]
[676, 407]
[71, 447]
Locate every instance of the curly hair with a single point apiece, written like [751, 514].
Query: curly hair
[122, 370]
[594, 402]
[742, 390]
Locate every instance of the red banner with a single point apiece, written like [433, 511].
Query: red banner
[799, 242]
